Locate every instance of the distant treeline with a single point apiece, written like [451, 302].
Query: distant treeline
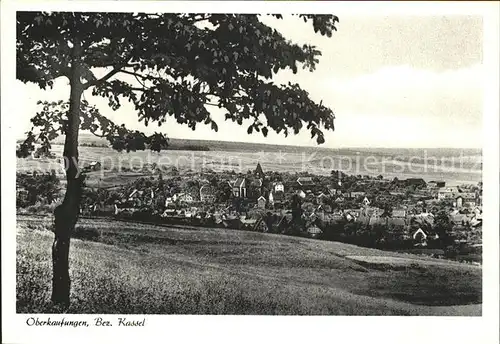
[187, 147]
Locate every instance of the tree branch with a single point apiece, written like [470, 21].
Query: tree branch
[103, 79]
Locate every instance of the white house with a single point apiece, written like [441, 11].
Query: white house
[420, 237]
[183, 197]
[261, 202]
[168, 201]
[240, 188]
[278, 186]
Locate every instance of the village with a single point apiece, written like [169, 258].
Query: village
[369, 211]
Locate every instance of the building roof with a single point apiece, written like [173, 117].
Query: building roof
[240, 182]
[420, 230]
[448, 189]
[458, 218]
[466, 195]
[398, 213]
[258, 169]
[415, 180]
[305, 181]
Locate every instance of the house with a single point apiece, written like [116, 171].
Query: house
[132, 194]
[460, 219]
[168, 213]
[305, 182]
[239, 187]
[168, 201]
[334, 190]
[351, 215]
[207, 193]
[320, 196]
[447, 192]
[138, 198]
[95, 166]
[399, 213]
[261, 226]
[415, 182]
[314, 231]
[92, 166]
[340, 199]
[373, 211]
[276, 197]
[436, 184]
[356, 194]
[426, 219]
[248, 224]
[420, 237]
[476, 220]
[278, 186]
[469, 199]
[366, 202]
[183, 197]
[261, 202]
[301, 194]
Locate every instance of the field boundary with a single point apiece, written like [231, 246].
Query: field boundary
[87, 217]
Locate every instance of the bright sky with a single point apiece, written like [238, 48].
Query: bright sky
[391, 81]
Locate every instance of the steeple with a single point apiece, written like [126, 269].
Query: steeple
[258, 171]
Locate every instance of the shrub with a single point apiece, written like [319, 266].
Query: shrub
[86, 233]
[36, 188]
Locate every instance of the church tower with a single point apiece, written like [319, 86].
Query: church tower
[258, 171]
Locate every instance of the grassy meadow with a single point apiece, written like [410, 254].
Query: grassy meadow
[122, 267]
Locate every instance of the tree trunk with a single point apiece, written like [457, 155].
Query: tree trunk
[66, 214]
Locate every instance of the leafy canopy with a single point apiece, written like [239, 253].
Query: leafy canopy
[168, 65]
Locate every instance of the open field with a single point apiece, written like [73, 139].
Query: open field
[455, 166]
[133, 268]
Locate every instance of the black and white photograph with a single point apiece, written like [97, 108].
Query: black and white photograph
[269, 161]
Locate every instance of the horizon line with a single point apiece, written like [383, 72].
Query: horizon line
[298, 145]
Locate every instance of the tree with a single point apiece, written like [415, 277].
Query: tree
[166, 65]
[223, 192]
[296, 206]
[443, 227]
[38, 187]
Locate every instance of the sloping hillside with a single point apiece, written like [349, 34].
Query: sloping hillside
[133, 268]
